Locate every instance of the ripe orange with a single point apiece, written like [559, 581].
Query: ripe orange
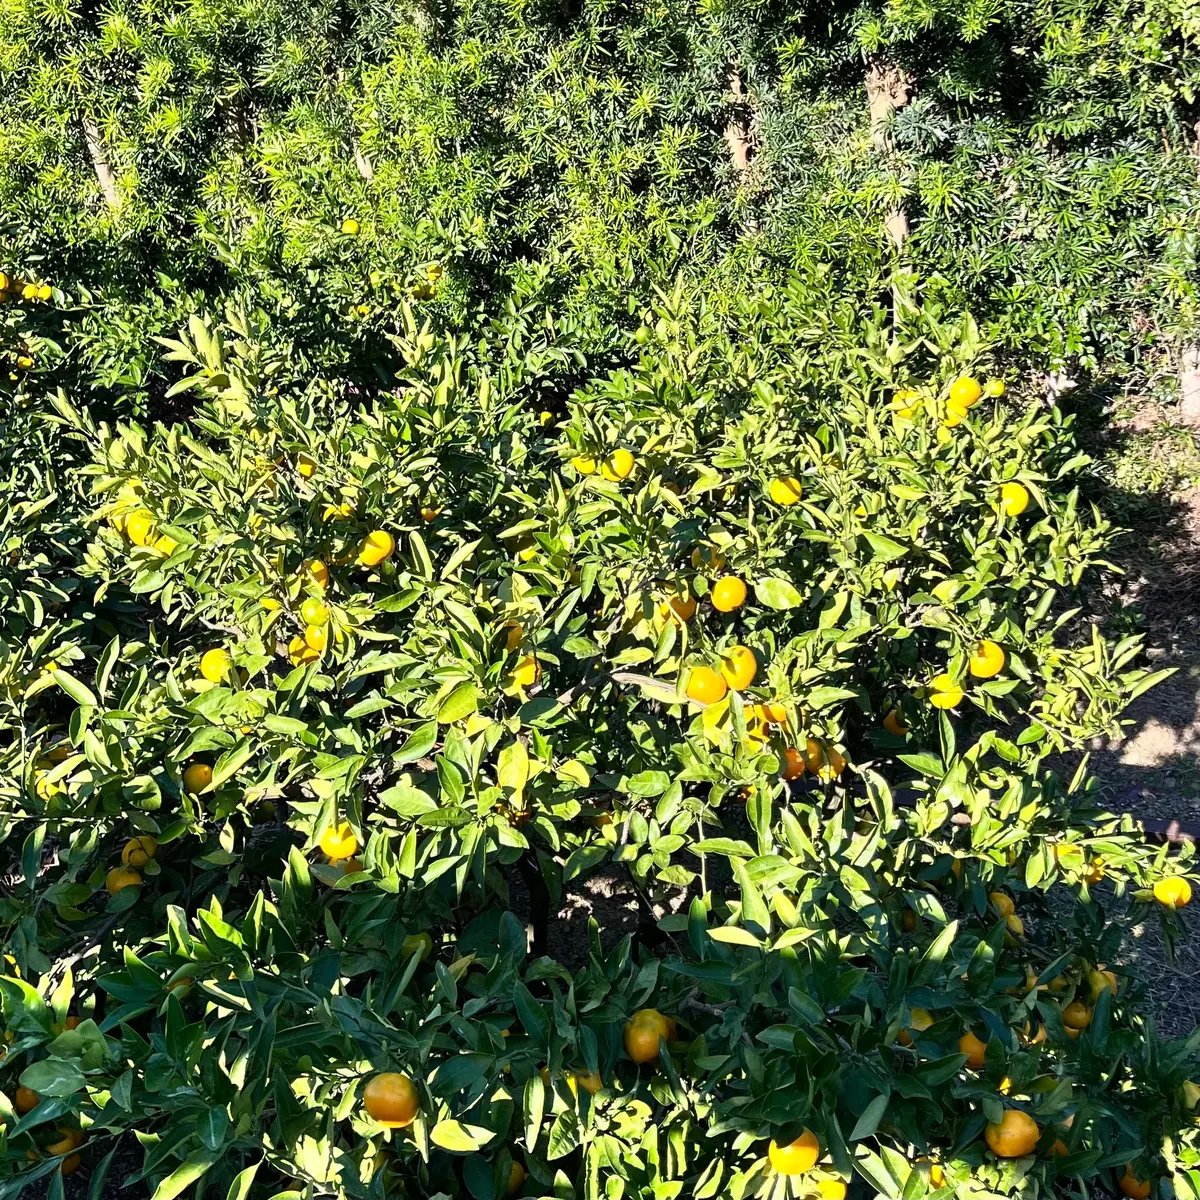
[376, 547]
[139, 527]
[514, 632]
[350, 227]
[1013, 1136]
[618, 465]
[590, 1081]
[728, 593]
[306, 467]
[796, 1157]
[919, 1020]
[681, 603]
[1002, 904]
[1077, 1015]
[894, 723]
[139, 850]
[25, 1100]
[987, 660]
[1132, 1186]
[973, 1048]
[1101, 981]
[584, 464]
[119, 878]
[904, 403]
[832, 1189]
[944, 692]
[1014, 499]
[707, 558]
[643, 1032]
[793, 763]
[315, 571]
[785, 491]
[739, 667]
[516, 1178]
[215, 664]
[705, 686]
[196, 777]
[824, 761]
[527, 672]
[964, 392]
[1173, 892]
[315, 638]
[392, 1099]
[339, 842]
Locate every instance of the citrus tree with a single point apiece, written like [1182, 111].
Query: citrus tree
[777, 625]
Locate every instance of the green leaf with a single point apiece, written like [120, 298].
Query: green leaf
[78, 692]
[512, 771]
[185, 1175]
[885, 549]
[53, 1077]
[462, 702]
[734, 935]
[777, 593]
[459, 1138]
[869, 1121]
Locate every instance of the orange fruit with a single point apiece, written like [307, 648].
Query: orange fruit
[314, 612]
[964, 392]
[728, 593]
[643, 1036]
[1013, 1136]
[139, 850]
[785, 491]
[392, 1099]
[618, 465]
[739, 666]
[986, 660]
[350, 227]
[306, 467]
[1173, 892]
[707, 558]
[215, 664]
[793, 763]
[315, 571]
[315, 638]
[527, 672]
[681, 603]
[705, 686]
[139, 527]
[584, 464]
[894, 723]
[919, 1019]
[795, 1157]
[1132, 1186]
[119, 878]
[903, 403]
[973, 1048]
[338, 842]
[1101, 981]
[1014, 499]
[516, 1179]
[376, 547]
[590, 1081]
[831, 1189]
[1002, 904]
[944, 692]
[1077, 1015]
[25, 1100]
[196, 777]
[823, 760]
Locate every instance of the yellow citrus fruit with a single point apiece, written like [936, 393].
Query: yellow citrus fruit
[196, 777]
[739, 666]
[1101, 981]
[643, 1031]
[956, 414]
[590, 1081]
[166, 545]
[1077, 1015]
[681, 604]
[728, 593]
[376, 547]
[338, 842]
[1095, 870]
[514, 632]
[794, 1158]
[823, 760]
[793, 763]
[1014, 499]
[315, 638]
[417, 943]
[392, 1099]
[299, 651]
[944, 692]
[936, 1175]
[584, 464]
[832, 1189]
[25, 1100]
[139, 851]
[1002, 904]
[987, 659]
[904, 403]
[785, 491]
[894, 723]
[350, 227]
[313, 612]
[919, 1020]
[1173, 892]
[315, 571]
[705, 686]
[430, 513]
[516, 1179]
[306, 467]
[1013, 1136]
[1016, 927]
[707, 558]
[618, 465]
[973, 1048]
[527, 672]
[965, 391]
[119, 878]
[215, 664]
[139, 527]
[1132, 1186]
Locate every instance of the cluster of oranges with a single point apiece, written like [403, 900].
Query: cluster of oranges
[137, 853]
[14, 288]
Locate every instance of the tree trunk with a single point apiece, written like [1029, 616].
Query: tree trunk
[100, 164]
[888, 89]
[1189, 358]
